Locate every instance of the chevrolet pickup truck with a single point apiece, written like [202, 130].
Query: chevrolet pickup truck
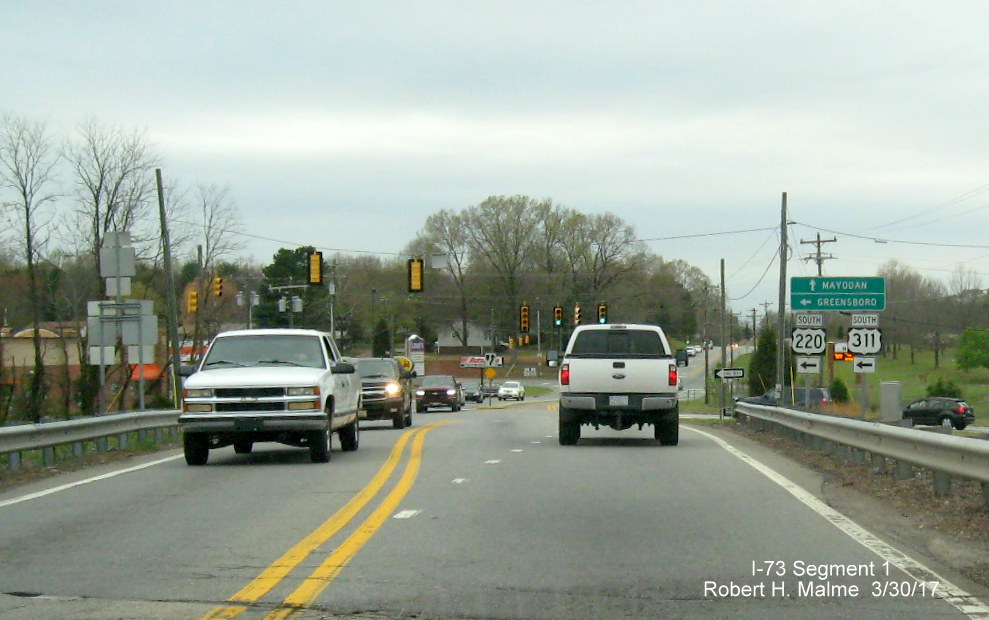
[619, 376]
[289, 386]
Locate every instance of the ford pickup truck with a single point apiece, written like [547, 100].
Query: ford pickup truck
[289, 386]
[619, 376]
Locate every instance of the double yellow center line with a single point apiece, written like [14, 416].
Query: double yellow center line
[326, 572]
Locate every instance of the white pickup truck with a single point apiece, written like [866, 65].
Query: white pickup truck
[619, 376]
[289, 386]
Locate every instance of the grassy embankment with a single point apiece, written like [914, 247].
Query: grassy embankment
[914, 378]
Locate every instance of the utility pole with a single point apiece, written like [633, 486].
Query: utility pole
[173, 308]
[817, 257]
[754, 339]
[765, 311]
[781, 319]
[724, 334]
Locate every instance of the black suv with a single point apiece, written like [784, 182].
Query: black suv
[386, 390]
[940, 410]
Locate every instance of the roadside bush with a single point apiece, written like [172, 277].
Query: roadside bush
[839, 391]
[943, 387]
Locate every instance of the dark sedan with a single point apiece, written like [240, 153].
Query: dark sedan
[439, 391]
[940, 411]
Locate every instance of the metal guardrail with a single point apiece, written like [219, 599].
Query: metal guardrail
[963, 457]
[26, 437]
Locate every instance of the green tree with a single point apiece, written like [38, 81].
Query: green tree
[839, 391]
[762, 367]
[381, 344]
[944, 387]
[973, 349]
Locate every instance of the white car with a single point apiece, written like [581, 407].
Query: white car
[511, 389]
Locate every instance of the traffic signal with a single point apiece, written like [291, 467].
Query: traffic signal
[192, 304]
[415, 275]
[511, 342]
[576, 315]
[315, 268]
[524, 318]
[558, 316]
[602, 312]
[217, 286]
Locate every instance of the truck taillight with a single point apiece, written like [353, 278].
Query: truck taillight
[674, 379]
[565, 374]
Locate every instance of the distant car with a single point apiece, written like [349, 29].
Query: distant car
[489, 389]
[817, 397]
[940, 410]
[472, 391]
[511, 389]
[439, 391]
[386, 390]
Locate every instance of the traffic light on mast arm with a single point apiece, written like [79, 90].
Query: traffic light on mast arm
[602, 312]
[218, 286]
[315, 268]
[415, 275]
[524, 318]
[192, 303]
[558, 316]
[576, 315]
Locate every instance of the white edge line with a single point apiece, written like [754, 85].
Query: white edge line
[961, 600]
[65, 487]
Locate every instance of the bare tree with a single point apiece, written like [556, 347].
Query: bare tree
[446, 232]
[116, 189]
[115, 186]
[27, 159]
[502, 229]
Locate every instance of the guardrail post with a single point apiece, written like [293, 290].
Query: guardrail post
[14, 462]
[942, 483]
[122, 441]
[878, 463]
[904, 470]
[48, 456]
[985, 495]
[77, 449]
[101, 444]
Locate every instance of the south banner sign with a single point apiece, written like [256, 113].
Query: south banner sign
[835, 294]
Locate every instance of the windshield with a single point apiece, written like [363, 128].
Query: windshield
[265, 350]
[370, 368]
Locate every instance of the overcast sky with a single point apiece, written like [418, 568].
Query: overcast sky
[343, 125]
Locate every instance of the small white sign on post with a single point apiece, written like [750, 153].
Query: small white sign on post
[865, 320]
[808, 365]
[864, 364]
[809, 320]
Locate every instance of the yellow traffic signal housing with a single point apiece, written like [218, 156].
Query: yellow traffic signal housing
[576, 315]
[315, 268]
[558, 316]
[192, 304]
[524, 318]
[602, 312]
[511, 342]
[415, 275]
[217, 286]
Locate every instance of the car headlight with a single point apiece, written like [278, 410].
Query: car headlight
[420, 392]
[199, 393]
[393, 388]
[308, 390]
[451, 392]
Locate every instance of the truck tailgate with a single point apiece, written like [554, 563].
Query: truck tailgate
[625, 376]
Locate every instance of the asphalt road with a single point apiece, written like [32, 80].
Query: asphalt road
[477, 514]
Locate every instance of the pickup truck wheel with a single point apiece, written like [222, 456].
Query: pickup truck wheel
[243, 447]
[569, 433]
[319, 446]
[399, 420]
[455, 407]
[667, 432]
[350, 437]
[196, 448]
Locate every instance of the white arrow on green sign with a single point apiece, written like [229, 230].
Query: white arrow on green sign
[838, 293]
